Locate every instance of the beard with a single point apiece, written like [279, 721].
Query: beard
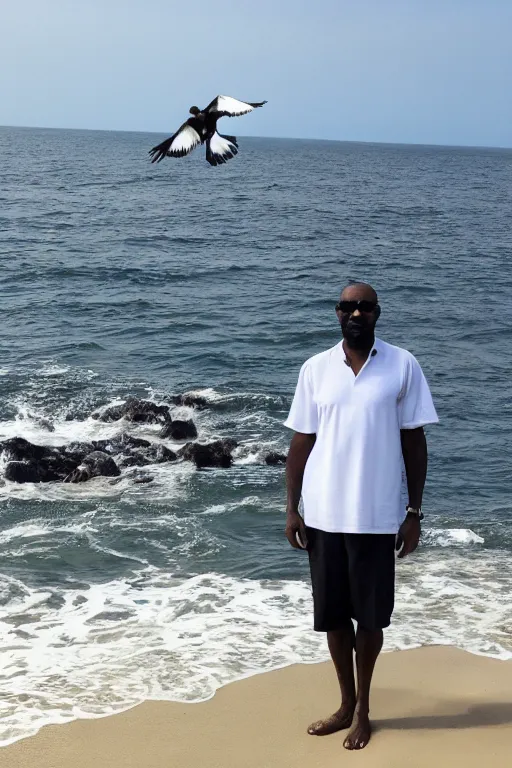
[357, 334]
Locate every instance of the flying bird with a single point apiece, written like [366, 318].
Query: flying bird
[201, 128]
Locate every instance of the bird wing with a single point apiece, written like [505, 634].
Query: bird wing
[180, 144]
[226, 106]
[220, 149]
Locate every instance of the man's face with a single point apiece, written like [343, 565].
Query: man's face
[357, 313]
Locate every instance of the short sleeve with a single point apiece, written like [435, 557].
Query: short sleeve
[303, 416]
[415, 404]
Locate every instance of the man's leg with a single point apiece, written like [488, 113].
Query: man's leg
[372, 584]
[368, 647]
[331, 597]
[341, 646]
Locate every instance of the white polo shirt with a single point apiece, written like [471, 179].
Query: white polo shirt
[353, 477]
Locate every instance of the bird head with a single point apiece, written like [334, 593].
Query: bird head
[194, 110]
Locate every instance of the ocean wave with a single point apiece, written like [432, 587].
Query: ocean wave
[221, 509]
[240, 400]
[53, 370]
[451, 537]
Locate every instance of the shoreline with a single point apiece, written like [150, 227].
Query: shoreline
[438, 698]
[84, 717]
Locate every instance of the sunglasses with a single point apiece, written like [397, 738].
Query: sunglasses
[349, 307]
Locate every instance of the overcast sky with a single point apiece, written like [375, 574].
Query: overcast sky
[421, 71]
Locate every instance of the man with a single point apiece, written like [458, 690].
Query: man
[358, 413]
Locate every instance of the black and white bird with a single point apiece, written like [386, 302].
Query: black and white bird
[201, 128]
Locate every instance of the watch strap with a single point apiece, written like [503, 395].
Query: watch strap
[416, 512]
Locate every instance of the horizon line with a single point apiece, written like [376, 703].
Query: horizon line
[279, 138]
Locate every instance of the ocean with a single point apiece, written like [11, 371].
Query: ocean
[118, 279]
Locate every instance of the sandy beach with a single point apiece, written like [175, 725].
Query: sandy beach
[435, 706]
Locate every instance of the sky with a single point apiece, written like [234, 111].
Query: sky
[406, 71]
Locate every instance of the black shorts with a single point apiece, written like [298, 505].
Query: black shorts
[353, 577]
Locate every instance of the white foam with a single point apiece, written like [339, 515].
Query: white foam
[220, 509]
[451, 537]
[213, 396]
[23, 531]
[53, 370]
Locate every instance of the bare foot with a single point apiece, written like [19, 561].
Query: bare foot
[338, 722]
[360, 733]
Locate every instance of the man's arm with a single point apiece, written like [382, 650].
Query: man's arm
[300, 448]
[414, 450]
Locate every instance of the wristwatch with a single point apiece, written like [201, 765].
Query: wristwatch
[416, 512]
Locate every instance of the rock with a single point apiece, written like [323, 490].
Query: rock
[138, 411]
[178, 430]
[19, 449]
[96, 464]
[191, 401]
[113, 413]
[77, 447]
[216, 454]
[121, 443]
[275, 458]
[58, 466]
[23, 472]
[154, 454]
[41, 463]
[142, 479]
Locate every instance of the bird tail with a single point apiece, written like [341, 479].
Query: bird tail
[160, 151]
[220, 149]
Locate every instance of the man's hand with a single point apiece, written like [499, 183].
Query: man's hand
[410, 531]
[294, 524]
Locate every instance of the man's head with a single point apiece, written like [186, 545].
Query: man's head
[358, 311]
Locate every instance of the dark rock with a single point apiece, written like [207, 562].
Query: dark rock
[216, 454]
[191, 401]
[23, 472]
[138, 411]
[19, 449]
[58, 466]
[275, 458]
[42, 463]
[113, 413]
[120, 444]
[154, 454]
[141, 479]
[79, 451]
[96, 464]
[178, 430]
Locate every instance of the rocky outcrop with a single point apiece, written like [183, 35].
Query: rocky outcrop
[154, 454]
[178, 430]
[96, 464]
[25, 472]
[43, 463]
[191, 401]
[275, 458]
[135, 410]
[29, 463]
[215, 454]
[80, 461]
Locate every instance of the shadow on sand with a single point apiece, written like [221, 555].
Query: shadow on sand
[480, 715]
